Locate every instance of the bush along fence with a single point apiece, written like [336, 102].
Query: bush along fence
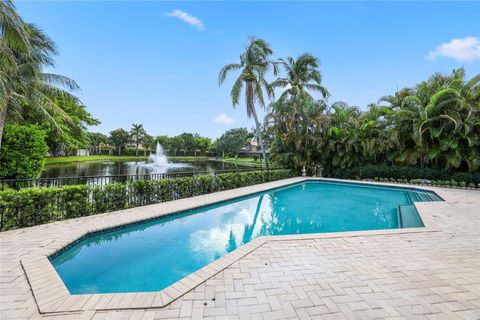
[103, 180]
[412, 175]
[33, 206]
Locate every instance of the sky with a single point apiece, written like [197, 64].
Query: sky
[157, 63]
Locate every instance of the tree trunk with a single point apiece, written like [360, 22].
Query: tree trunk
[119, 150]
[136, 150]
[260, 137]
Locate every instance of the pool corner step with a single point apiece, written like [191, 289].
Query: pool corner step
[408, 217]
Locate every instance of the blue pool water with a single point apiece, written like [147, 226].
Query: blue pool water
[152, 255]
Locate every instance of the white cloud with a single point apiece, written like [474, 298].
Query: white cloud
[185, 17]
[223, 119]
[465, 49]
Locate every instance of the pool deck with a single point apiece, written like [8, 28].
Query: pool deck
[419, 273]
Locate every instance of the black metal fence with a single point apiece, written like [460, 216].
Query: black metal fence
[103, 180]
[34, 206]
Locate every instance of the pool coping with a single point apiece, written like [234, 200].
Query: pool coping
[51, 295]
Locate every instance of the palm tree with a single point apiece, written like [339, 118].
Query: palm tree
[12, 30]
[343, 146]
[374, 133]
[434, 124]
[302, 75]
[138, 135]
[254, 65]
[25, 51]
[13, 38]
[299, 127]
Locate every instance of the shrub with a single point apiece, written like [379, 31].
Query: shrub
[389, 172]
[33, 206]
[23, 152]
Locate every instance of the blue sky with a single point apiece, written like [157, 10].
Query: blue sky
[157, 63]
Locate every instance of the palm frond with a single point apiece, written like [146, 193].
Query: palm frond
[236, 91]
[226, 69]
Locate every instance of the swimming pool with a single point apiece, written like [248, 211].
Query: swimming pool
[151, 255]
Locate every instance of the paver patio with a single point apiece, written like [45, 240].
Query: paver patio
[433, 273]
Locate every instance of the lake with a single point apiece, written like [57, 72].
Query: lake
[106, 168]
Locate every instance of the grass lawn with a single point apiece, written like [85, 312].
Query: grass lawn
[245, 161]
[187, 158]
[52, 160]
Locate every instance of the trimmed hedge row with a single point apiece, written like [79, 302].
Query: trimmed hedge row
[33, 206]
[409, 173]
[436, 183]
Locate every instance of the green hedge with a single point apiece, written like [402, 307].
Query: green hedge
[33, 206]
[23, 152]
[382, 171]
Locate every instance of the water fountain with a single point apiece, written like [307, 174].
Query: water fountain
[158, 158]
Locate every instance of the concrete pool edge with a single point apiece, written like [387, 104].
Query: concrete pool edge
[52, 296]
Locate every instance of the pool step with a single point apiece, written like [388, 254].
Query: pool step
[418, 196]
[424, 196]
[434, 197]
[413, 196]
[408, 217]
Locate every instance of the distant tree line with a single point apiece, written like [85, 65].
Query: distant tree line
[121, 141]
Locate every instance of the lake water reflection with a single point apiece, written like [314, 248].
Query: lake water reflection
[105, 168]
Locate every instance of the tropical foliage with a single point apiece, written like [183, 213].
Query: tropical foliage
[26, 90]
[435, 124]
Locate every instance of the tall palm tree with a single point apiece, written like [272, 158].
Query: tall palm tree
[302, 75]
[138, 135]
[254, 65]
[25, 51]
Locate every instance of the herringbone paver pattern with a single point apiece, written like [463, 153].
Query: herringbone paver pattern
[420, 275]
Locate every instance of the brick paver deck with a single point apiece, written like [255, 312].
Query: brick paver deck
[429, 274]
